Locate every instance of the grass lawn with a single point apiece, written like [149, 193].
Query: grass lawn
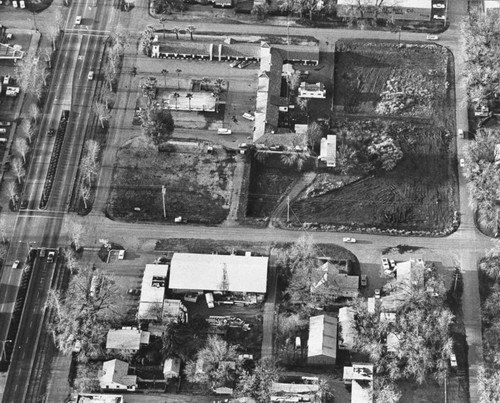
[198, 185]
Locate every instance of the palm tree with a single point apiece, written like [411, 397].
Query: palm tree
[165, 72]
[189, 96]
[178, 71]
[176, 30]
[176, 96]
[191, 29]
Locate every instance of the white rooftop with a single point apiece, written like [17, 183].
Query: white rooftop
[116, 371]
[98, 398]
[322, 336]
[152, 293]
[398, 3]
[126, 339]
[192, 271]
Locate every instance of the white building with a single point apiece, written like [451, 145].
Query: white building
[347, 332]
[114, 376]
[126, 339]
[172, 368]
[328, 150]
[227, 273]
[152, 290]
[361, 377]
[312, 90]
[322, 344]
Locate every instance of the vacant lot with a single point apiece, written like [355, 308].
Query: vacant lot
[386, 79]
[197, 184]
[419, 194]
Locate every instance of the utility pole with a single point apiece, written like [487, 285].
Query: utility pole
[163, 192]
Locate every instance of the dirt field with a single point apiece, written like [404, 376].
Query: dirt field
[385, 79]
[419, 194]
[198, 185]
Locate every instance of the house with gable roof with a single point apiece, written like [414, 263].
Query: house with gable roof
[114, 376]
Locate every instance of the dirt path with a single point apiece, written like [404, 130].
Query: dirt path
[232, 217]
[298, 187]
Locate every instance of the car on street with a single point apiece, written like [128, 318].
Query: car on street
[349, 240]
[50, 256]
[15, 265]
[453, 360]
[432, 37]
[462, 163]
[43, 252]
[223, 130]
[364, 280]
[91, 75]
[6, 80]
[248, 116]
[51, 132]
[385, 264]
[78, 20]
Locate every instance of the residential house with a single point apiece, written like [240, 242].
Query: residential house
[152, 291]
[361, 377]
[335, 275]
[491, 6]
[221, 273]
[114, 375]
[411, 272]
[322, 344]
[403, 10]
[172, 368]
[127, 339]
[328, 150]
[316, 90]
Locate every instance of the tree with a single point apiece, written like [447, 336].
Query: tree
[76, 231]
[27, 128]
[53, 31]
[21, 146]
[165, 73]
[421, 326]
[303, 103]
[260, 11]
[257, 383]
[87, 377]
[102, 113]
[12, 190]
[183, 340]
[18, 168]
[34, 112]
[178, 71]
[176, 31]
[82, 315]
[385, 390]
[294, 80]
[146, 41]
[191, 29]
[168, 6]
[176, 96]
[212, 360]
[489, 385]
[315, 133]
[189, 97]
[157, 123]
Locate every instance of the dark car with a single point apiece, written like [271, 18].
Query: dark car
[51, 132]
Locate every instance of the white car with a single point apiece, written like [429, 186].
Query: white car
[438, 5]
[432, 37]
[249, 116]
[14, 3]
[462, 163]
[6, 80]
[377, 293]
[78, 20]
[22, 4]
[439, 17]
[15, 265]
[235, 63]
[91, 75]
[349, 240]
[453, 360]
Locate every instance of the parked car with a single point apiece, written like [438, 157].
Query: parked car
[453, 360]
[439, 17]
[377, 293]
[14, 3]
[6, 80]
[22, 4]
[248, 116]
[43, 252]
[244, 64]
[223, 130]
[51, 132]
[393, 264]
[235, 63]
[91, 75]
[5, 123]
[364, 280]
[134, 291]
[349, 240]
[15, 265]
[385, 264]
[51, 256]
[438, 5]
[78, 20]
[432, 37]
[462, 163]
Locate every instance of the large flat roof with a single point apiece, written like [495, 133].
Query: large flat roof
[193, 271]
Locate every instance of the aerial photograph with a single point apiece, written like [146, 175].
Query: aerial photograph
[249, 201]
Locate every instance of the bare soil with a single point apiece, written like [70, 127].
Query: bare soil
[198, 184]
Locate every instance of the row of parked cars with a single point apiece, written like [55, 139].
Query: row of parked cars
[241, 64]
[56, 152]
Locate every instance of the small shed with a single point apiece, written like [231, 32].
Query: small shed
[322, 345]
[172, 368]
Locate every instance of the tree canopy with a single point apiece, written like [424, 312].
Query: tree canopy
[183, 340]
[157, 123]
[421, 328]
[257, 383]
